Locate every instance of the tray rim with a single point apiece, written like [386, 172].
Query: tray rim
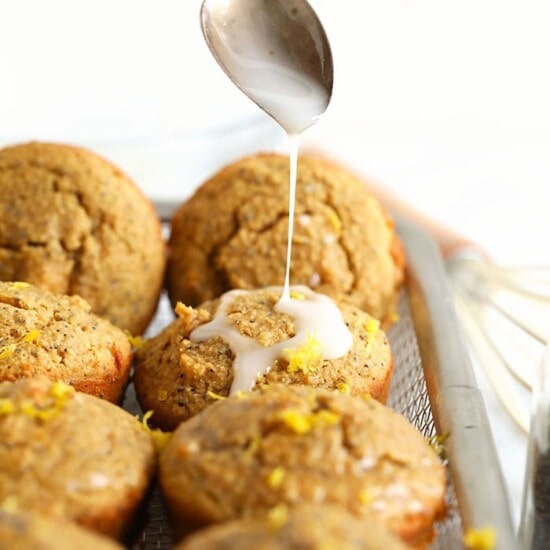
[457, 404]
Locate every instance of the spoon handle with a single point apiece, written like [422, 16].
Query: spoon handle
[449, 241]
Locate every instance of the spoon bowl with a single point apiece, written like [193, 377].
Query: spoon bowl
[276, 52]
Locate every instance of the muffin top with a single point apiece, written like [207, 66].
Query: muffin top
[56, 335]
[75, 224]
[23, 530]
[232, 233]
[304, 527]
[285, 445]
[244, 340]
[71, 455]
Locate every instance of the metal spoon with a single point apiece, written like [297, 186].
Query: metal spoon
[276, 52]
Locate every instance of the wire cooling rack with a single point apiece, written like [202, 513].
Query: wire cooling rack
[419, 381]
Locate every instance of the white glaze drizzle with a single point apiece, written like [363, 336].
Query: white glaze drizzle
[316, 314]
[294, 143]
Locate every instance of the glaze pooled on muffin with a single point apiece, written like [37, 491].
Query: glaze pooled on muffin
[177, 377]
[318, 323]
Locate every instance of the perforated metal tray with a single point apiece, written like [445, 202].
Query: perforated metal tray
[433, 386]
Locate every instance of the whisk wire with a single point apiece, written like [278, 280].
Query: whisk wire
[494, 363]
[529, 281]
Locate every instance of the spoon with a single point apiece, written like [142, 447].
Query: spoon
[276, 52]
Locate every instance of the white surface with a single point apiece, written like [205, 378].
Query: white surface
[445, 103]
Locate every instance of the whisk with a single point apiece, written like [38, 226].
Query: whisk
[505, 311]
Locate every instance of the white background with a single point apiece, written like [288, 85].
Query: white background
[445, 103]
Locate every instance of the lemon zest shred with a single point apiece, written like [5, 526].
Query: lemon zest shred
[372, 326]
[7, 350]
[135, 341]
[20, 285]
[160, 438]
[61, 391]
[6, 406]
[335, 221]
[437, 443]
[302, 423]
[46, 414]
[29, 409]
[241, 394]
[298, 422]
[366, 397]
[253, 445]
[344, 386]
[324, 416]
[480, 539]
[31, 336]
[215, 396]
[276, 477]
[306, 358]
[277, 516]
[295, 295]
[366, 497]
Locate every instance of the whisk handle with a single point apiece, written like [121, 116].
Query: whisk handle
[450, 242]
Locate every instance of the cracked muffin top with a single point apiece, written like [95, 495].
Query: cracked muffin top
[232, 233]
[177, 374]
[72, 456]
[57, 336]
[305, 527]
[74, 224]
[286, 445]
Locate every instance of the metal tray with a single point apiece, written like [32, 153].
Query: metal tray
[433, 386]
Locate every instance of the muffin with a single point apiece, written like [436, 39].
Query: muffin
[232, 233]
[177, 374]
[244, 456]
[28, 531]
[58, 336]
[72, 456]
[305, 527]
[73, 223]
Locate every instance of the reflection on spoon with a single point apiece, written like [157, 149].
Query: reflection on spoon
[276, 52]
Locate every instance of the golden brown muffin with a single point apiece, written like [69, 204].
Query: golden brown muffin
[177, 377]
[305, 527]
[242, 457]
[58, 336]
[232, 233]
[72, 456]
[29, 531]
[75, 224]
